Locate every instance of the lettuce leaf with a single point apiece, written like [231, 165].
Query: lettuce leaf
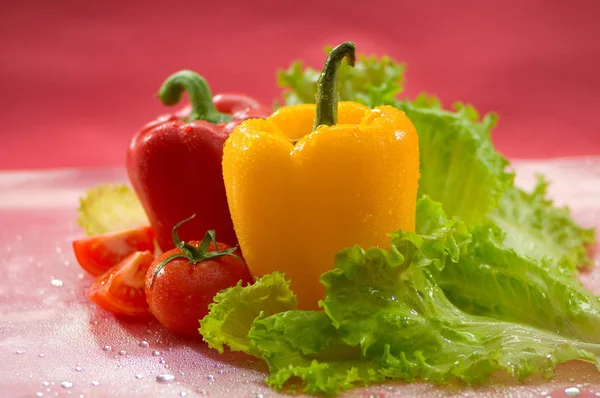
[386, 317]
[533, 227]
[495, 281]
[459, 165]
[110, 208]
[234, 310]
[372, 81]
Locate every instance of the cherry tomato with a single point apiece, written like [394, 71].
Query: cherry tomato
[121, 289]
[182, 282]
[97, 254]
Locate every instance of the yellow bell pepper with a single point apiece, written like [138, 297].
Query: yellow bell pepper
[299, 194]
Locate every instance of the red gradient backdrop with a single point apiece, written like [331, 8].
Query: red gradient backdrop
[78, 78]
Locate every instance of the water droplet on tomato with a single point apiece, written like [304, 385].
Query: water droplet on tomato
[155, 353]
[78, 368]
[39, 394]
[572, 391]
[143, 344]
[95, 383]
[122, 352]
[66, 384]
[19, 352]
[107, 348]
[138, 376]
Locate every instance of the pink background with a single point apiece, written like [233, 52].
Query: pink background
[79, 78]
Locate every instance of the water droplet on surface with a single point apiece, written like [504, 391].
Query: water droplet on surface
[161, 361]
[183, 394]
[210, 378]
[41, 355]
[155, 353]
[106, 348]
[39, 394]
[78, 368]
[165, 378]
[46, 383]
[259, 396]
[138, 376]
[19, 352]
[143, 344]
[572, 391]
[66, 384]
[56, 282]
[80, 275]
[95, 383]
[122, 352]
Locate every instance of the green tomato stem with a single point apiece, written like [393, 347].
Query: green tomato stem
[192, 253]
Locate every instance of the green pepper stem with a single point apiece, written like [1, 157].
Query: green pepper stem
[199, 93]
[327, 95]
[192, 253]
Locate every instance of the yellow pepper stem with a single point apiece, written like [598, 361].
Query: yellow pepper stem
[327, 95]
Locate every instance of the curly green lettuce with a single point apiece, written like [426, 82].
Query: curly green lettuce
[385, 316]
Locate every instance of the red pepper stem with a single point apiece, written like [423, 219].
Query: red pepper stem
[327, 95]
[199, 94]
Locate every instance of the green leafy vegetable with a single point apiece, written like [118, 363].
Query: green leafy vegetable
[110, 208]
[535, 228]
[459, 166]
[385, 316]
[494, 281]
[234, 309]
[372, 81]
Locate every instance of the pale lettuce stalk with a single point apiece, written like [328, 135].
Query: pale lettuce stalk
[110, 208]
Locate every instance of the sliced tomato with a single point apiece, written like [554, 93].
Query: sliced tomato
[97, 254]
[121, 289]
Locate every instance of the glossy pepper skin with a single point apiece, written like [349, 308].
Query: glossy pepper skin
[174, 163]
[298, 195]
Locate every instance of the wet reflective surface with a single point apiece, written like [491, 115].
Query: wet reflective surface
[53, 342]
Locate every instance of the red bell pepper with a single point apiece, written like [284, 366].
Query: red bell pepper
[174, 163]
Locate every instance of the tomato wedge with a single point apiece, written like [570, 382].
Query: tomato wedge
[97, 254]
[121, 289]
